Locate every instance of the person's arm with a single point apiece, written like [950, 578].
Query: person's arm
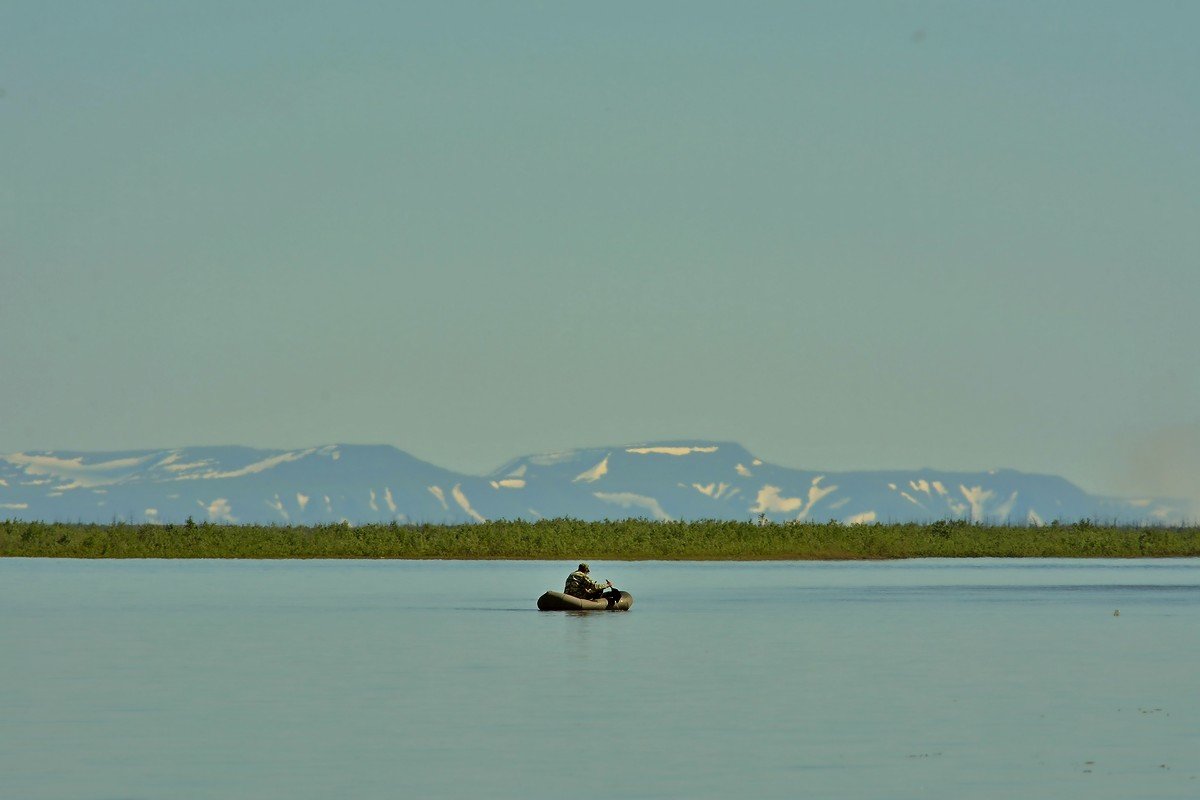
[594, 586]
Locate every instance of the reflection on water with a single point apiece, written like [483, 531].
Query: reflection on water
[977, 678]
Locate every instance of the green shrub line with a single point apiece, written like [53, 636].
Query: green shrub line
[615, 540]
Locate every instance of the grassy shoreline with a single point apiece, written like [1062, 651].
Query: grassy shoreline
[616, 540]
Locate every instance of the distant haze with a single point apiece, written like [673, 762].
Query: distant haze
[848, 236]
[1168, 460]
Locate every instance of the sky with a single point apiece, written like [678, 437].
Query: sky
[959, 235]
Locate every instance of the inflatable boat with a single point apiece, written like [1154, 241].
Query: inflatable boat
[557, 601]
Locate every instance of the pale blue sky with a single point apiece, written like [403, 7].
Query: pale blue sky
[960, 235]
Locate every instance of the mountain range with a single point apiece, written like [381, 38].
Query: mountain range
[675, 480]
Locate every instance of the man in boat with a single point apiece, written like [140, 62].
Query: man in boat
[581, 585]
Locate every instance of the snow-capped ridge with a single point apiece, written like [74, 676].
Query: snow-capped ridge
[672, 479]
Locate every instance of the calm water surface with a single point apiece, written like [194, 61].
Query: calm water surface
[380, 679]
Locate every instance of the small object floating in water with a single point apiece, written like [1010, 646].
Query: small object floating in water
[557, 601]
[1117, 613]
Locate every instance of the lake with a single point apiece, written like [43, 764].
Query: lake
[987, 678]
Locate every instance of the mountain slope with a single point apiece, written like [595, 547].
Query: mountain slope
[657, 480]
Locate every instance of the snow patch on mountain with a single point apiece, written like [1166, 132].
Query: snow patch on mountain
[277, 504]
[189, 466]
[436, 491]
[743, 471]
[595, 473]
[816, 493]
[860, 519]
[1004, 509]
[218, 510]
[250, 469]
[73, 469]
[632, 500]
[551, 459]
[461, 498]
[976, 496]
[671, 450]
[771, 501]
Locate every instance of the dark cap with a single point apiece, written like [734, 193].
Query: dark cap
[584, 568]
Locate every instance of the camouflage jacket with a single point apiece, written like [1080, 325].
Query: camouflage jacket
[580, 584]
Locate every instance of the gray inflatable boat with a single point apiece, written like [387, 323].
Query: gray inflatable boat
[557, 601]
